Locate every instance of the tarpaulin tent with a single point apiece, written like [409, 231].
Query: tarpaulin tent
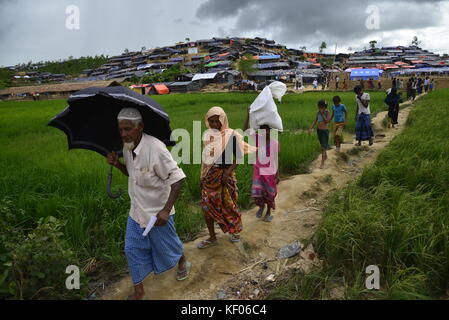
[267, 57]
[142, 66]
[365, 74]
[422, 70]
[161, 89]
[212, 64]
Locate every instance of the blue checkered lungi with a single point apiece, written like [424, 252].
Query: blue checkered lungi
[363, 129]
[158, 252]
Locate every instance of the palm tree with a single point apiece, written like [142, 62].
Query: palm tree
[415, 41]
[323, 46]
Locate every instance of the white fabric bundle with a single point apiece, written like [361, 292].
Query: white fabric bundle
[263, 111]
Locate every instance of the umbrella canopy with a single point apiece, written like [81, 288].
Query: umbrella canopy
[90, 120]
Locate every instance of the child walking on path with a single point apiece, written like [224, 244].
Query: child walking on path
[339, 114]
[266, 173]
[322, 119]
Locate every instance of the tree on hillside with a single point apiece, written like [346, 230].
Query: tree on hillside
[126, 50]
[304, 48]
[323, 46]
[187, 39]
[144, 48]
[73, 66]
[372, 44]
[415, 41]
[246, 65]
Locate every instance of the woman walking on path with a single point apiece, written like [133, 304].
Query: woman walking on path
[414, 88]
[265, 174]
[363, 129]
[393, 100]
[223, 150]
[339, 114]
[322, 119]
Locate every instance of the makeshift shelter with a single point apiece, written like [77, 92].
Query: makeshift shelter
[204, 76]
[50, 90]
[184, 87]
[365, 74]
[268, 58]
[158, 89]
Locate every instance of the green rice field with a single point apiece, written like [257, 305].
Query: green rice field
[395, 216]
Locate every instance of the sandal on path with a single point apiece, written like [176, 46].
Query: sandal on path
[184, 274]
[206, 243]
[132, 295]
[268, 219]
[235, 238]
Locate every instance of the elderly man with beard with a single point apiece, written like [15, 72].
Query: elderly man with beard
[154, 183]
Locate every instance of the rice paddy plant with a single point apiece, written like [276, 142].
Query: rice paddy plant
[396, 215]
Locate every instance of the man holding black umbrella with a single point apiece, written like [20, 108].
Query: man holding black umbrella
[154, 183]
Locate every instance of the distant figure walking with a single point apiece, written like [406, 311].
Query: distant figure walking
[322, 119]
[393, 100]
[363, 129]
[339, 114]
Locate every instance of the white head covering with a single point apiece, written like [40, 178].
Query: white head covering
[129, 114]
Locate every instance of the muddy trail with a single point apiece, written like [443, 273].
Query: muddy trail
[242, 270]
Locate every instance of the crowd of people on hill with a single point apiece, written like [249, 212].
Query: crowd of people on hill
[418, 86]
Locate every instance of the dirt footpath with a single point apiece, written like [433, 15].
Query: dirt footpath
[240, 270]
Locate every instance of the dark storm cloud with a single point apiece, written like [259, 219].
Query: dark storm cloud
[293, 21]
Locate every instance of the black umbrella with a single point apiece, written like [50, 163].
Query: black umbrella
[90, 120]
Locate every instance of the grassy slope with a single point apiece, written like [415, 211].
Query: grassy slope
[395, 216]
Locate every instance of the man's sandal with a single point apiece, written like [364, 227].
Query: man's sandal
[235, 238]
[186, 271]
[206, 243]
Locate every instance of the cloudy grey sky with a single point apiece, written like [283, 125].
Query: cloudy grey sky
[36, 30]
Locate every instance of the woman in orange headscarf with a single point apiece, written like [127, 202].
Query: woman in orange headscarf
[223, 150]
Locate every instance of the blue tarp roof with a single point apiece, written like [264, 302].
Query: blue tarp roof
[269, 57]
[411, 71]
[365, 74]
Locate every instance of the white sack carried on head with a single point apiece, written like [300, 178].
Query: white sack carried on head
[263, 111]
[278, 89]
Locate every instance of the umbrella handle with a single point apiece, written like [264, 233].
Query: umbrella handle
[108, 189]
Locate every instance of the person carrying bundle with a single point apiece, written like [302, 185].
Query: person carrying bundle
[263, 117]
